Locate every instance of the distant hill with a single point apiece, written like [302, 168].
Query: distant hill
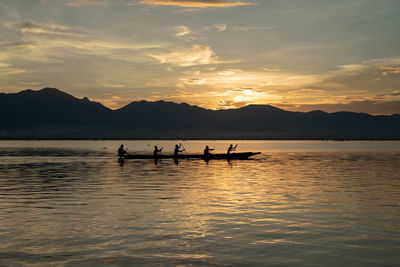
[51, 114]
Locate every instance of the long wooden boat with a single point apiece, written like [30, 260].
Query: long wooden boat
[243, 155]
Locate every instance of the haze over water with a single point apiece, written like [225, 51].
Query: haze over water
[299, 203]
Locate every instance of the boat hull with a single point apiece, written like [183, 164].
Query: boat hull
[243, 155]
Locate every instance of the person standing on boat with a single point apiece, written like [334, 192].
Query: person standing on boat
[231, 148]
[156, 151]
[122, 152]
[176, 150]
[207, 151]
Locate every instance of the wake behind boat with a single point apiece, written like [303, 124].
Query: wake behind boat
[242, 155]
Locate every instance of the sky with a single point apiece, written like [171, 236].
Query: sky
[298, 55]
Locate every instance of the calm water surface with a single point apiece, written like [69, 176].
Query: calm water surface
[71, 203]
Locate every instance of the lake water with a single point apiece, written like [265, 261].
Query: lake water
[300, 203]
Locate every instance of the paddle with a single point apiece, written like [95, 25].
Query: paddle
[184, 149]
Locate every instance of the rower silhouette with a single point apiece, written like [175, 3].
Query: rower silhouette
[207, 151]
[231, 148]
[122, 152]
[177, 150]
[156, 151]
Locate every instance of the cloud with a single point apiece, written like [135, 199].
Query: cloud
[195, 3]
[220, 27]
[359, 87]
[395, 93]
[227, 72]
[196, 55]
[386, 64]
[182, 31]
[236, 78]
[37, 28]
[271, 69]
[45, 42]
[7, 69]
[349, 87]
[78, 3]
[341, 88]
[338, 90]
[394, 69]
[306, 90]
[366, 75]
[9, 75]
[370, 86]
[229, 104]
[251, 28]
[194, 81]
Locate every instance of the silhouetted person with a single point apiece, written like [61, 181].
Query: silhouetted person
[207, 151]
[122, 152]
[156, 151]
[177, 150]
[231, 148]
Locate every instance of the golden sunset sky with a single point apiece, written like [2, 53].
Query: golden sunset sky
[295, 54]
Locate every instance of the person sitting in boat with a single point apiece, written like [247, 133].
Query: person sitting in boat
[156, 151]
[122, 152]
[177, 150]
[207, 151]
[231, 148]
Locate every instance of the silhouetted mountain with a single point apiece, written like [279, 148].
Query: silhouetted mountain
[51, 113]
[48, 110]
[161, 114]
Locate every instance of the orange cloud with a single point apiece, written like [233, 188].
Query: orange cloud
[390, 70]
[84, 3]
[194, 3]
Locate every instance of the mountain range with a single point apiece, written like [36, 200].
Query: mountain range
[52, 114]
